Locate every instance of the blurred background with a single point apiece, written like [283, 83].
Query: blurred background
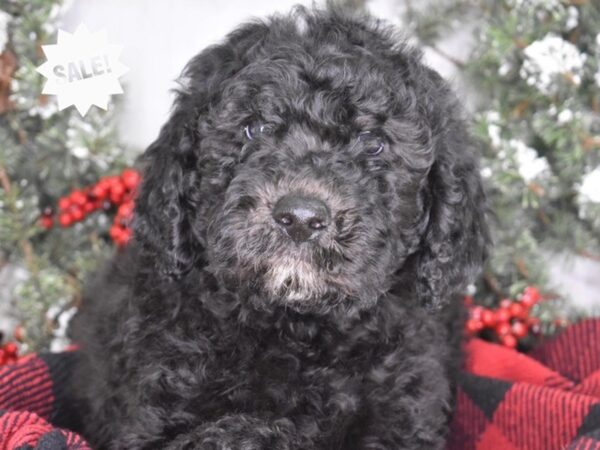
[528, 72]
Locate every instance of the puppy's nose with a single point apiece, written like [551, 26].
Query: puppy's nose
[301, 217]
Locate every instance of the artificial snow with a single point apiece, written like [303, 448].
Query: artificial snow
[548, 58]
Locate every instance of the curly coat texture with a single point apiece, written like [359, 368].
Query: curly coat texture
[214, 330]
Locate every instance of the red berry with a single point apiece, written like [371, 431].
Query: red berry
[65, 219]
[502, 315]
[508, 340]
[125, 236]
[519, 329]
[46, 222]
[126, 210]
[503, 328]
[129, 196]
[89, 207]
[488, 318]
[530, 296]
[64, 203]
[468, 300]
[115, 199]
[505, 303]
[533, 292]
[113, 181]
[115, 232]
[77, 214]
[78, 198]
[116, 193]
[517, 310]
[474, 326]
[100, 191]
[103, 183]
[475, 312]
[131, 178]
[527, 302]
[10, 349]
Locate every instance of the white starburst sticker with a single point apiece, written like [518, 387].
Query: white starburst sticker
[82, 69]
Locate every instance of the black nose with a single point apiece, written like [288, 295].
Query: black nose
[301, 217]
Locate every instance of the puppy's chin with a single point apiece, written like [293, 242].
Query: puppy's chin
[292, 279]
[299, 285]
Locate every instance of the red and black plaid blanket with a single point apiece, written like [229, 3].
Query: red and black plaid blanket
[549, 399]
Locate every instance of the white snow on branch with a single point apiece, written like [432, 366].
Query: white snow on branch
[4, 19]
[530, 165]
[589, 190]
[549, 58]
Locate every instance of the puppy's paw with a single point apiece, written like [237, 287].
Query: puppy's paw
[237, 432]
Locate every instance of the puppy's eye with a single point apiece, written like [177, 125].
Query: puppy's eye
[254, 129]
[372, 143]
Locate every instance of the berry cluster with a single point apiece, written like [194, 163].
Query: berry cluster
[111, 191]
[120, 232]
[507, 324]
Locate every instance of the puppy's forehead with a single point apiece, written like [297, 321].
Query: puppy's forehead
[325, 68]
[326, 84]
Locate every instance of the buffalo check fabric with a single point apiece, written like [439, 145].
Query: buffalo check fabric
[546, 400]
[36, 408]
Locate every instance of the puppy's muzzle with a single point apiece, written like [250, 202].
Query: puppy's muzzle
[301, 218]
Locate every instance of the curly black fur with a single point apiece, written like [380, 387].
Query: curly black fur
[214, 330]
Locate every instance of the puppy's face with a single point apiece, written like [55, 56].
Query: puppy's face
[314, 163]
[320, 177]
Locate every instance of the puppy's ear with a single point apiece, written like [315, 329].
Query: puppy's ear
[165, 206]
[170, 195]
[456, 239]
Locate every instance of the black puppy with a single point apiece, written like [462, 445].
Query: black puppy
[308, 218]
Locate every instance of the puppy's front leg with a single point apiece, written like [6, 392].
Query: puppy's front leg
[407, 404]
[241, 432]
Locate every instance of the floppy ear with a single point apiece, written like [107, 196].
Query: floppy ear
[456, 239]
[170, 195]
[165, 205]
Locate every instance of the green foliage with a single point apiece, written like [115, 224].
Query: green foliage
[537, 117]
[44, 154]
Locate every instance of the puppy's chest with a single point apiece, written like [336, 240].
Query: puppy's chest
[282, 376]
